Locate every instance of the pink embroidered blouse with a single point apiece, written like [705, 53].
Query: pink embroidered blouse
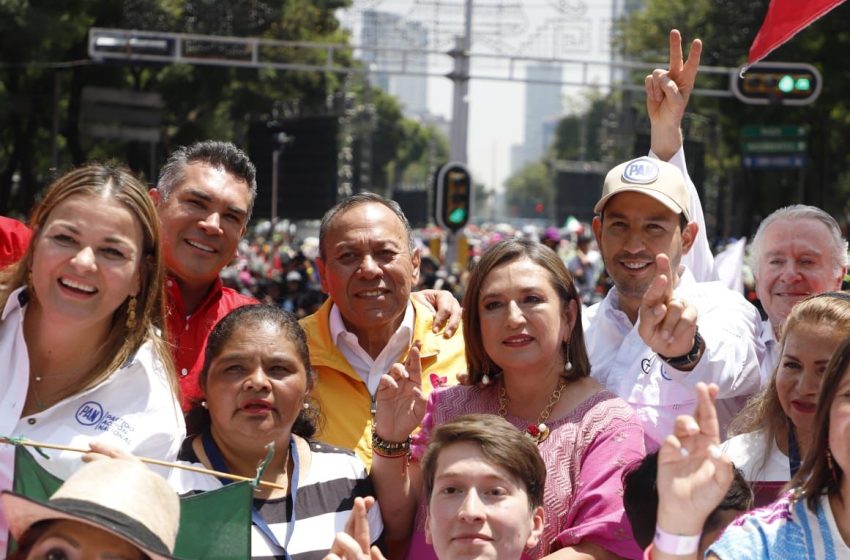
[585, 456]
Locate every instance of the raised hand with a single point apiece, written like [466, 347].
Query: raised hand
[353, 544]
[106, 450]
[693, 475]
[400, 402]
[667, 324]
[667, 95]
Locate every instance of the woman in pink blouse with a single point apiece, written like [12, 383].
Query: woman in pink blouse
[527, 363]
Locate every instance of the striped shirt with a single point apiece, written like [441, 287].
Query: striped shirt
[784, 530]
[324, 501]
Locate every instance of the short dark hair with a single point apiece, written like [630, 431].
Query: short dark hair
[501, 443]
[356, 200]
[250, 316]
[640, 499]
[220, 155]
[510, 250]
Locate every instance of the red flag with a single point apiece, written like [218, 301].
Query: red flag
[784, 19]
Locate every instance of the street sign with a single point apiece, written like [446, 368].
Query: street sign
[774, 147]
[774, 161]
[769, 145]
[782, 131]
[121, 114]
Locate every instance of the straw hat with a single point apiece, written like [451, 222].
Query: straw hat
[120, 496]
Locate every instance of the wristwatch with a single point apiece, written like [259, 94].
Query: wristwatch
[689, 360]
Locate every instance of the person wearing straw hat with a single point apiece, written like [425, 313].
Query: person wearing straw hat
[110, 508]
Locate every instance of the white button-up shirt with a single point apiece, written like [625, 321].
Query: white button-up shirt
[771, 356]
[369, 370]
[626, 366]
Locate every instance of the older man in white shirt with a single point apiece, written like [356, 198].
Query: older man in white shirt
[797, 251]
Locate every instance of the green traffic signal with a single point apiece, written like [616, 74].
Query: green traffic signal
[786, 84]
[777, 83]
[458, 216]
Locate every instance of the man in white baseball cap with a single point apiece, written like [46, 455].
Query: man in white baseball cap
[658, 331]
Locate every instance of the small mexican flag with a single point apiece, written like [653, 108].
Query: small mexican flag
[214, 525]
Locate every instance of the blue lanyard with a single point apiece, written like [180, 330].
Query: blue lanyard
[217, 461]
[793, 451]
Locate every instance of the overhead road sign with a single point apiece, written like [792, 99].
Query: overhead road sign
[781, 131]
[769, 145]
[774, 161]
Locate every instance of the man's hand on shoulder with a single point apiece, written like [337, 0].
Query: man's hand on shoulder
[447, 310]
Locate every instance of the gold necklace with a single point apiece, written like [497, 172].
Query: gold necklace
[35, 383]
[540, 431]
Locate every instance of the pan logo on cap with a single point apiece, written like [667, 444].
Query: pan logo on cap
[641, 171]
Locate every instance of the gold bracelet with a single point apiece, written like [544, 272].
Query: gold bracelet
[389, 449]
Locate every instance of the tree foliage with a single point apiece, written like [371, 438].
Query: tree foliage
[728, 28]
[531, 186]
[43, 48]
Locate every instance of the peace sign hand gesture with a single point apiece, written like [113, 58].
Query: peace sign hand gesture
[693, 475]
[668, 324]
[400, 401]
[667, 95]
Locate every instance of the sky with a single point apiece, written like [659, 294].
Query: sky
[563, 29]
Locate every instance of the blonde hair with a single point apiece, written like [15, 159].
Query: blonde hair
[764, 412]
[119, 184]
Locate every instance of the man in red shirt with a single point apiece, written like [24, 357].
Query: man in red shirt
[204, 198]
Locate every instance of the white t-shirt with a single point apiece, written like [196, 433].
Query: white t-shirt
[748, 451]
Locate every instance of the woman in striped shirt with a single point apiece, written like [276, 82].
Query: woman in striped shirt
[256, 383]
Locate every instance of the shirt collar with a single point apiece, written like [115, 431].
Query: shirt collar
[175, 298]
[337, 325]
[767, 336]
[17, 300]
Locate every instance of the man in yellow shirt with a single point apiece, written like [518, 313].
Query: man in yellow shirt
[368, 266]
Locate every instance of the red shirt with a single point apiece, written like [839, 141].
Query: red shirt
[188, 334]
[14, 240]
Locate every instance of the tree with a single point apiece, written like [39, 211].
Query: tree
[578, 136]
[728, 28]
[43, 46]
[530, 187]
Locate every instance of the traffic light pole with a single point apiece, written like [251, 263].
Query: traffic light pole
[460, 79]
[460, 112]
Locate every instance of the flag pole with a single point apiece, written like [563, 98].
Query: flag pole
[219, 474]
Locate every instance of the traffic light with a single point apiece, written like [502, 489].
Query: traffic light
[780, 83]
[454, 196]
